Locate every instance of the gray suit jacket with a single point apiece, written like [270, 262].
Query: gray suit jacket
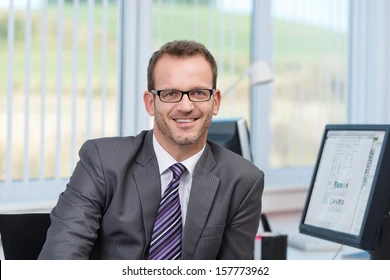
[110, 204]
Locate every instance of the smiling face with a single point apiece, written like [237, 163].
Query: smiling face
[183, 125]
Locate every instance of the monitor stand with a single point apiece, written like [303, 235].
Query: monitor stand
[382, 247]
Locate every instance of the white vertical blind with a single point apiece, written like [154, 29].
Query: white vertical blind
[137, 26]
[260, 95]
[104, 69]
[75, 72]
[159, 23]
[172, 21]
[221, 51]
[60, 35]
[10, 83]
[27, 69]
[43, 95]
[232, 62]
[196, 19]
[308, 53]
[368, 82]
[52, 52]
[211, 23]
[119, 64]
[90, 66]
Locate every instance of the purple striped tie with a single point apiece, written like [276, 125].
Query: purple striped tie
[166, 237]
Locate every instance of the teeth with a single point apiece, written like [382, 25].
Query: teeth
[185, 120]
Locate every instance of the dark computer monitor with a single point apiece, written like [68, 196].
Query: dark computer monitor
[349, 196]
[231, 133]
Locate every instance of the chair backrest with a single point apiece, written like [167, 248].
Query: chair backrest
[23, 235]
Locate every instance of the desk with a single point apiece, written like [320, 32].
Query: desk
[296, 254]
[1, 251]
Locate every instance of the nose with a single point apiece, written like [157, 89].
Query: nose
[185, 104]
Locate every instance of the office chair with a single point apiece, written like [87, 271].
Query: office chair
[23, 235]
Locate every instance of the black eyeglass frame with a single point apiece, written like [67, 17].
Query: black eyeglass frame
[158, 92]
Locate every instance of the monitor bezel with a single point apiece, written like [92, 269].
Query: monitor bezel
[241, 131]
[378, 202]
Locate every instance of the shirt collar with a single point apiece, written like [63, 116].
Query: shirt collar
[165, 160]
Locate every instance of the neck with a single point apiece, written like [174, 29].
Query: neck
[177, 151]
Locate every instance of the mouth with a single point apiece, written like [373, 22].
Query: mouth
[185, 120]
[185, 123]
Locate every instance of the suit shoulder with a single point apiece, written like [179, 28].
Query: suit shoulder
[120, 147]
[118, 140]
[231, 161]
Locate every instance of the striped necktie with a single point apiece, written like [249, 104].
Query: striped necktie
[166, 237]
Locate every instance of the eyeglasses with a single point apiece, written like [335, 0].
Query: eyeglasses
[174, 95]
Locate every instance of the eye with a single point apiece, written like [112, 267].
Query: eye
[170, 94]
[199, 92]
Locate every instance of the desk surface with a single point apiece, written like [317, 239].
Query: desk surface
[1, 252]
[296, 254]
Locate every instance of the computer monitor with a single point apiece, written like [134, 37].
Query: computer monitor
[231, 133]
[349, 196]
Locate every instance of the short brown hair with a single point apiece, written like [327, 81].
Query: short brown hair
[182, 49]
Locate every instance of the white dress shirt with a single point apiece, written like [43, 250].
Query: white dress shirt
[165, 160]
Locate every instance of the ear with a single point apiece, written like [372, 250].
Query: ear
[149, 102]
[216, 101]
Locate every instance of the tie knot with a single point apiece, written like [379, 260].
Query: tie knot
[178, 169]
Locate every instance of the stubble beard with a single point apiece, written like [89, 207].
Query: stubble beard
[165, 129]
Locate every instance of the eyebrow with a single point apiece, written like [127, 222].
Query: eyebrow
[195, 88]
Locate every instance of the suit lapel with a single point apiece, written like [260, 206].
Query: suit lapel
[148, 183]
[203, 189]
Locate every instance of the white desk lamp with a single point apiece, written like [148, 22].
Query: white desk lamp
[259, 73]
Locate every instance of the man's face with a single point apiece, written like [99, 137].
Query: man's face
[184, 122]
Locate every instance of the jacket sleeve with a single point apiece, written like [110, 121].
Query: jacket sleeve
[75, 220]
[239, 236]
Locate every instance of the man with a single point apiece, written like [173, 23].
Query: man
[166, 193]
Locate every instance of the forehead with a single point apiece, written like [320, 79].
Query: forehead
[182, 72]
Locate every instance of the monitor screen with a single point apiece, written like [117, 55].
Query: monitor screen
[231, 133]
[348, 199]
